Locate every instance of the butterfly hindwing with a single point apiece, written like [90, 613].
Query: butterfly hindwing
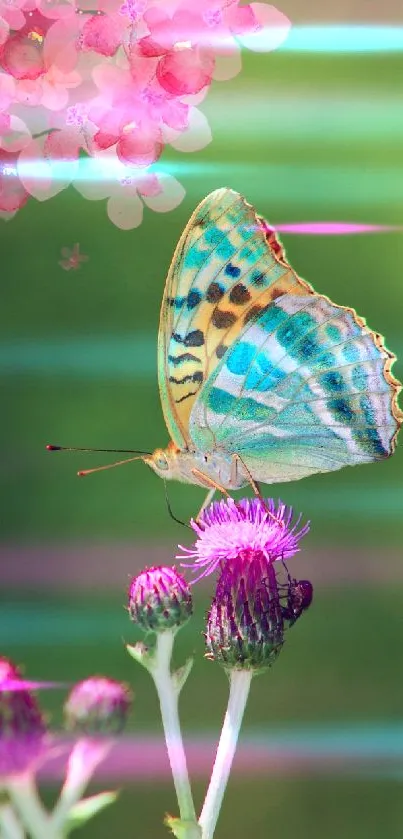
[227, 268]
[306, 388]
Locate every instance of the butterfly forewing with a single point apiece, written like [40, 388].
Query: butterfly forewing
[227, 269]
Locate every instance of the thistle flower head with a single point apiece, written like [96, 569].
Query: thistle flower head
[253, 605]
[159, 599]
[22, 726]
[98, 705]
[235, 530]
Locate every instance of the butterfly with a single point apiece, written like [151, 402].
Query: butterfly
[261, 378]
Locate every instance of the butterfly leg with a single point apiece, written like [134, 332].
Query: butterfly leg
[213, 487]
[254, 484]
[209, 497]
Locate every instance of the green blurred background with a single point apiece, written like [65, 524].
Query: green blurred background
[303, 137]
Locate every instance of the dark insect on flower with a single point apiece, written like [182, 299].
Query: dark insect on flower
[298, 598]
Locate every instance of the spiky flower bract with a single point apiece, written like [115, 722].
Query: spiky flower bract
[98, 705]
[253, 605]
[160, 599]
[22, 726]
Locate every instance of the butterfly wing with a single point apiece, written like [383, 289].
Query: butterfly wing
[227, 268]
[306, 387]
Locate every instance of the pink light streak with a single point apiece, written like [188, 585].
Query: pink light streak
[144, 759]
[334, 228]
[23, 684]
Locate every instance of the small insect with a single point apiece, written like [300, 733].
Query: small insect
[72, 258]
[261, 378]
[299, 598]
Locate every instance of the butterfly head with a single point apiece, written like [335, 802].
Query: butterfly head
[165, 462]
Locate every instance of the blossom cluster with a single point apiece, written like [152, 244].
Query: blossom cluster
[111, 83]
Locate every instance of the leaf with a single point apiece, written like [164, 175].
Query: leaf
[183, 829]
[89, 807]
[142, 654]
[179, 676]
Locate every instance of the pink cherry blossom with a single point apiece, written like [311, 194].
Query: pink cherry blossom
[11, 12]
[126, 192]
[13, 194]
[185, 70]
[119, 80]
[101, 34]
[42, 175]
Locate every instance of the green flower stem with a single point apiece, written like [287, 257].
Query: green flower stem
[86, 754]
[168, 694]
[24, 796]
[240, 681]
[10, 827]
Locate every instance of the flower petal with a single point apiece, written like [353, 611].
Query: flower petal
[227, 66]
[125, 210]
[274, 29]
[197, 136]
[171, 196]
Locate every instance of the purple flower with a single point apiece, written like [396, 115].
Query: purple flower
[159, 599]
[231, 531]
[98, 704]
[255, 601]
[22, 727]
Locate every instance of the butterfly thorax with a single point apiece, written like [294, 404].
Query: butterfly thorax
[197, 467]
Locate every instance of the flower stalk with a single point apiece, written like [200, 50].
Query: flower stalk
[168, 689]
[25, 799]
[240, 681]
[86, 755]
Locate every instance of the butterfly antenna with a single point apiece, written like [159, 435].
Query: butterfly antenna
[51, 448]
[83, 472]
[169, 508]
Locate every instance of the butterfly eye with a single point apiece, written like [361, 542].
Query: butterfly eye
[161, 461]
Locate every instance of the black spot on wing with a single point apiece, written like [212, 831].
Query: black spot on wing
[221, 350]
[214, 293]
[192, 339]
[222, 320]
[192, 377]
[239, 295]
[232, 270]
[193, 299]
[180, 359]
[186, 396]
[258, 279]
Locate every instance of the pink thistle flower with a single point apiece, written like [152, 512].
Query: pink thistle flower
[159, 599]
[22, 727]
[72, 258]
[252, 607]
[231, 532]
[98, 704]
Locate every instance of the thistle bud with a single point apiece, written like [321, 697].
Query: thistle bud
[160, 599]
[22, 726]
[245, 626]
[98, 705]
